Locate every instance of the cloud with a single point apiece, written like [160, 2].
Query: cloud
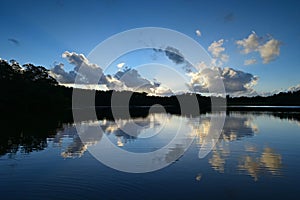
[235, 81]
[198, 33]
[59, 73]
[132, 79]
[175, 56]
[229, 17]
[126, 79]
[120, 65]
[88, 75]
[89, 72]
[14, 41]
[268, 50]
[216, 49]
[162, 91]
[250, 62]
[249, 44]
[294, 88]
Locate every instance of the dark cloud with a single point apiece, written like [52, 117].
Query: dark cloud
[132, 79]
[89, 73]
[61, 75]
[229, 17]
[175, 56]
[14, 41]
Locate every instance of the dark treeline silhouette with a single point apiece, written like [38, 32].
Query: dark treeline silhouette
[29, 90]
[281, 99]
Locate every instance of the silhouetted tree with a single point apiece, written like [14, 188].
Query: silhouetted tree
[38, 74]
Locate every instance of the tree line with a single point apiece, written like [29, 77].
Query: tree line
[31, 90]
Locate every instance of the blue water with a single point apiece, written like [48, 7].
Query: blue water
[256, 156]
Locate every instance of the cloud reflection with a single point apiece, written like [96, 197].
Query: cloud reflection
[116, 128]
[236, 127]
[268, 161]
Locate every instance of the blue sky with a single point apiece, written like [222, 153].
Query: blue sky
[41, 31]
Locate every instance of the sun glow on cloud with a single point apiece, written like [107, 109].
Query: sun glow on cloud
[268, 50]
[154, 80]
[160, 79]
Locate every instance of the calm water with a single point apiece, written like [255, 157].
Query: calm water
[256, 156]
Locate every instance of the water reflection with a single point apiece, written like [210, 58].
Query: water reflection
[236, 127]
[255, 154]
[25, 136]
[252, 159]
[77, 147]
[271, 160]
[217, 161]
[268, 161]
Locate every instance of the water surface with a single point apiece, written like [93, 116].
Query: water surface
[256, 156]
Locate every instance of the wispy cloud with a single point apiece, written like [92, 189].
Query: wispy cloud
[250, 61]
[176, 57]
[14, 41]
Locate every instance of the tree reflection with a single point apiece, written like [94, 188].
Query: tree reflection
[36, 135]
[26, 136]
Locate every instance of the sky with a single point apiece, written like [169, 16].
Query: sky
[254, 45]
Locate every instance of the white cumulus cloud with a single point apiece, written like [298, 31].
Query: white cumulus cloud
[249, 44]
[235, 81]
[198, 33]
[217, 50]
[90, 75]
[268, 50]
[294, 88]
[120, 65]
